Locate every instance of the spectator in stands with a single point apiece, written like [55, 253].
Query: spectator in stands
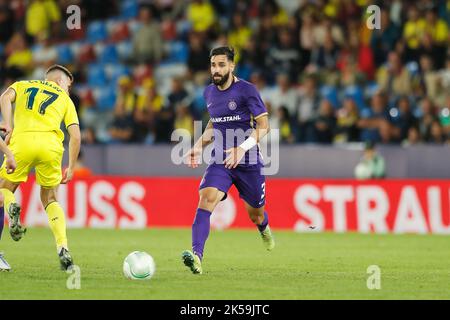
[383, 40]
[126, 96]
[19, 59]
[427, 78]
[284, 95]
[200, 14]
[413, 138]
[43, 57]
[371, 165]
[6, 22]
[147, 41]
[239, 35]
[149, 104]
[283, 122]
[88, 136]
[284, 57]
[42, 16]
[374, 120]
[437, 28]
[198, 54]
[394, 78]
[413, 31]
[184, 121]
[437, 134]
[308, 105]
[404, 120]
[346, 125]
[325, 123]
[324, 57]
[122, 127]
[427, 117]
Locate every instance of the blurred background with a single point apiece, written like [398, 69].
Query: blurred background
[329, 81]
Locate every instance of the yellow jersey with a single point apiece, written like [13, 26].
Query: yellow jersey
[41, 106]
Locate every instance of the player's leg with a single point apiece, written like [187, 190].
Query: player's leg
[209, 198]
[4, 266]
[251, 185]
[57, 223]
[7, 189]
[48, 176]
[213, 187]
[260, 218]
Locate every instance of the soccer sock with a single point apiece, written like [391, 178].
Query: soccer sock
[57, 223]
[200, 231]
[263, 225]
[8, 198]
[2, 220]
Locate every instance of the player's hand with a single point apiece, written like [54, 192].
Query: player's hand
[67, 175]
[6, 131]
[11, 164]
[192, 157]
[234, 156]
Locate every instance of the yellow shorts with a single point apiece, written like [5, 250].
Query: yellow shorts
[40, 150]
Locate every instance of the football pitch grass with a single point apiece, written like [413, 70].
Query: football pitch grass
[236, 266]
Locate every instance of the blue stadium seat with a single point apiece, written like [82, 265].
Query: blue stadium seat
[105, 98]
[96, 75]
[97, 31]
[355, 93]
[124, 50]
[65, 54]
[178, 52]
[129, 9]
[109, 54]
[330, 93]
[116, 71]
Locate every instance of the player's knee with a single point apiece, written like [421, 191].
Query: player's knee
[208, 199]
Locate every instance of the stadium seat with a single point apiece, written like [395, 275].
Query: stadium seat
[115, 71]
[129, 9]
[97, 31]
[96, 75]
[118, 30]
[109, 54]
[105, 97]
[86, 53]
[124, 50]
[330, 93]
[65, 54]
[178, 52]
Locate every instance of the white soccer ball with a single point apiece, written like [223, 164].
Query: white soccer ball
[139, 265]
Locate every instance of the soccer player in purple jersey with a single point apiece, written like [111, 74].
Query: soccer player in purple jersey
[238, 121]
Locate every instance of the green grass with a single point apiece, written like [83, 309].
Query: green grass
[302, 266]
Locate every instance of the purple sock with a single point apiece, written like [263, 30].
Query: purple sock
[200, 231]
[2, 220]
[263, 225]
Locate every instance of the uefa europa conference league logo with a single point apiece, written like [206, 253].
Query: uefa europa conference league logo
[268, 147]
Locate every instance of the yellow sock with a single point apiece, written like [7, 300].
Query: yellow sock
[8, 198]
[57, 223]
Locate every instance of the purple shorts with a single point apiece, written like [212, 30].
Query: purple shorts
[249, 181]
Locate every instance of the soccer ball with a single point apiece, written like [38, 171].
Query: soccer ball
[139, 265]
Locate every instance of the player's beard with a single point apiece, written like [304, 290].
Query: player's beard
[223, 79]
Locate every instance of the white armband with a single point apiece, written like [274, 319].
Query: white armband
[248, 144]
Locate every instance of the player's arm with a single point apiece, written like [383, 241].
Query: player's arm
[6, 101]
[74, 150]
[235, 155]
[196, 151]
[10, 160]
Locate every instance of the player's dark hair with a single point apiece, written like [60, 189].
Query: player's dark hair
[228, 51]
[60, 68]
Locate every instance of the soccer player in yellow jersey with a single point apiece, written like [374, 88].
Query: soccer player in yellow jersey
[36, 141]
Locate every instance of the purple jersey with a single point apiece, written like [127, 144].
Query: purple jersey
[233, 112]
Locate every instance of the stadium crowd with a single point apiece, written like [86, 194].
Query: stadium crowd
[326, 77]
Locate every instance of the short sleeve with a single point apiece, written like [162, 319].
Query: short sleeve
[15, 87]
[255, 103]
[71, 116]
